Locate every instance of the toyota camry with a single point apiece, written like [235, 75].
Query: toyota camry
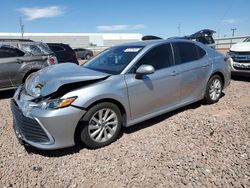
[122, 86]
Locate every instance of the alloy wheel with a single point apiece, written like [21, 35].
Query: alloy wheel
[102, 125]
[215, 89]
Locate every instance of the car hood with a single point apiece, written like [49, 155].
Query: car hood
[241, 47]
[51, 78]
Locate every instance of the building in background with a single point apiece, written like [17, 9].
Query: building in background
[78, 40]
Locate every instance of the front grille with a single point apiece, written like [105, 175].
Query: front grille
[241, 68]
[28, 128]
[242, 53]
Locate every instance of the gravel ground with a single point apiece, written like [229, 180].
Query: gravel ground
[199, 145]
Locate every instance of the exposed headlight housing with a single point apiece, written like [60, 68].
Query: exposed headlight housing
[32, 85]
[57, 103]
[35, 92]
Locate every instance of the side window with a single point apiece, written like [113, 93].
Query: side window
[159, 57]
[7, 52]
[55, 48]
[200, 52]
[185, 52]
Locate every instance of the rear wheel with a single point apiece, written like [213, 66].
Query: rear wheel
[102, 124]
[213, 90]
[88, 56]
[28, 75]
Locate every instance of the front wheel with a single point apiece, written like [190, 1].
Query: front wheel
[102, 125]
[213, 90]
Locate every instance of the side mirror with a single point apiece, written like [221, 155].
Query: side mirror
[145, 69]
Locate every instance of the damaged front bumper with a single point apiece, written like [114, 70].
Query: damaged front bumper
[43, 128]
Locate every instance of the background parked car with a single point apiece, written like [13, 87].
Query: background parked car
[64, 53]
[82, 53]
[19, 58]
[204, 36]
[240, 58]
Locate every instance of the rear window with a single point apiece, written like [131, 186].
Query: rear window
[205, 39]
[56, 48]
[36, 49]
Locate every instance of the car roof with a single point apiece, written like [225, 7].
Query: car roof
[15, 40]
[62, 44]
[155, 42]
[19, 42]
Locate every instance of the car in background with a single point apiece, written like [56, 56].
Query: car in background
[64, 53]
[122, 86]
[19, 58]
[240, 58]
[204, 36]
[82, 53]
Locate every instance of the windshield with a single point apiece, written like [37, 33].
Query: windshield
[113, 60]
[36, 49]
[247, 39]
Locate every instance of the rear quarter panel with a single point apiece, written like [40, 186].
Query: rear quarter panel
[220, 64]
[30, 64]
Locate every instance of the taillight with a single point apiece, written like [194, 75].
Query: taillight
[52, 60]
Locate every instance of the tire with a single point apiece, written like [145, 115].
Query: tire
[94, 133]
[26, 77]
[88, 56]
[213, 90]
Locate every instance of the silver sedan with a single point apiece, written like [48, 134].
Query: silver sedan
[126, 84]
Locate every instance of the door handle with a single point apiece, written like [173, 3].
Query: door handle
[174, 73]
[205, 64]
[19, 61]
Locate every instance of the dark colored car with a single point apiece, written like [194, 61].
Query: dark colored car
[204, 36]
[82, 53]
[20, 58]
[64, 53]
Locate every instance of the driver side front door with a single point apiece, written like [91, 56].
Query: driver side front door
[154, 93]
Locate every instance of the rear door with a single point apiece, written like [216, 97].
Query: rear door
[154, 92]
[60, 52]
[10, 63]
[82, 53]
[194, 66]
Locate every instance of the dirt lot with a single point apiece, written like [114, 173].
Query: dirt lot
[199, 145]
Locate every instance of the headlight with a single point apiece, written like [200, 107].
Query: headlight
[57, 103]
[231, 54]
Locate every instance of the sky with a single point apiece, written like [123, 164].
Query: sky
[164, 18]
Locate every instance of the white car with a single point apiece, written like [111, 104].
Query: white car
[240, 58]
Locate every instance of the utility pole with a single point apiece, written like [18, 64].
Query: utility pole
[21, 26]
[233, 30]
[179, 29]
